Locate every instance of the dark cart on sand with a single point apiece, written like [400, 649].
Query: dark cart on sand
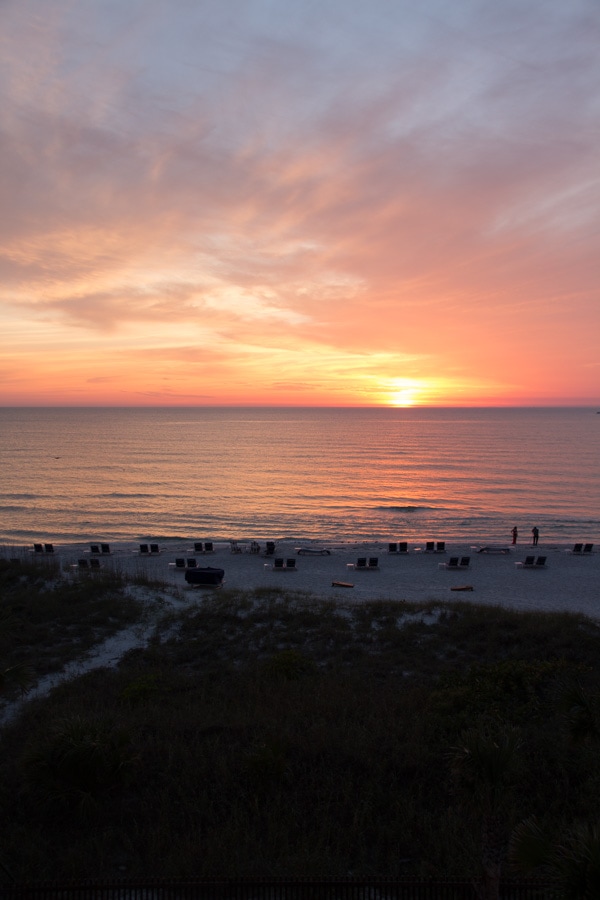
[206, 576]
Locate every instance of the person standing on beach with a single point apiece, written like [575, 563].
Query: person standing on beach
[515, 534]
[536, 534]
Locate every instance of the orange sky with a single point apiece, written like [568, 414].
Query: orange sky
[258, 202]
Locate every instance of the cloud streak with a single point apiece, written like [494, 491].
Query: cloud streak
[417, 188]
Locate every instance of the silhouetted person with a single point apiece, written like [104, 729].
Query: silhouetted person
[536, 533]
[515, 534]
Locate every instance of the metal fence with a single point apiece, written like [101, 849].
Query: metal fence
[274, 889]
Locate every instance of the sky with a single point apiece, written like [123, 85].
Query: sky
[267, 202]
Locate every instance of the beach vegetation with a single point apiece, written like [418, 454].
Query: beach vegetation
[269, 733]
[48, 621]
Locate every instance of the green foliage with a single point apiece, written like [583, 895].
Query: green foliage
[78, 762]
[267, 732]
[572, 861]
[140, 689]
[288, 665]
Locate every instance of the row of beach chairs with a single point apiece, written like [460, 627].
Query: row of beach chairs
[457, 562]
[532, 562]
[430, 547]
[362, 562]
[204, 547]
[582, 549]
[88, 563]
[287, 565]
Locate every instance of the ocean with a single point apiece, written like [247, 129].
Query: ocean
[128, 474]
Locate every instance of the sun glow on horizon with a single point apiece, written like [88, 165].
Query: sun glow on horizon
[405, 392]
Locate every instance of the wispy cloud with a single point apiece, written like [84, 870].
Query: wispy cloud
[414, 186]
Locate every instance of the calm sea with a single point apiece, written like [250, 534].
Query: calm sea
[332, 474]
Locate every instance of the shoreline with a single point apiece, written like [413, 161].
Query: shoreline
[569, 582]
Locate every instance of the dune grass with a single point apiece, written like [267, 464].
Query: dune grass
[270, 733]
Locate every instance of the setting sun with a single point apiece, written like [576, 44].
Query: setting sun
[405, 392]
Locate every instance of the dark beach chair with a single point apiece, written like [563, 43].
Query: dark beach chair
[577, 548]
[392, 548]
[451, 564]
[105, 549]
[154, 548]
[49, 548]
[540, 562]
[373, 562]
[403, 547]
[465, 562]
[94, 548]
[361, 563]
[198, 547]
[430, 547]
[527, 563]
[180, 563]
[290, 564]
[209, 547]
[278, 563]
[82, 564]
[191, 564]
[38, 548]
[588, 548]
[440, 547]
[94, 563]
[144, 548]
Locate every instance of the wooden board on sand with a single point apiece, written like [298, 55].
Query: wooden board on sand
[341, 584]
[463, 587]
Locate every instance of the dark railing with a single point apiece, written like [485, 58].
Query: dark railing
[274, 889]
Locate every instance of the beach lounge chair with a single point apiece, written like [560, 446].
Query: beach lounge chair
[373, 562]
[403, 547]
[430, 547]
[291, 564]
[191, 563]
[94, 548]
[94, 563]
[392, 548]
[49, 548]
[38, 548]
[526, 563]
[154, 548]
[180, 563]
[82, 564]
[198, 547]
[209, 547]
[144, 548]
[278, 563]
[105, 549]
[361, 563]
[451, 564]
[465, 562]
[530, 562]
[577, 548]
[588, 548]
[440, 547]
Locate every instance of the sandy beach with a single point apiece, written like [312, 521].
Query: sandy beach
[568, 582]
